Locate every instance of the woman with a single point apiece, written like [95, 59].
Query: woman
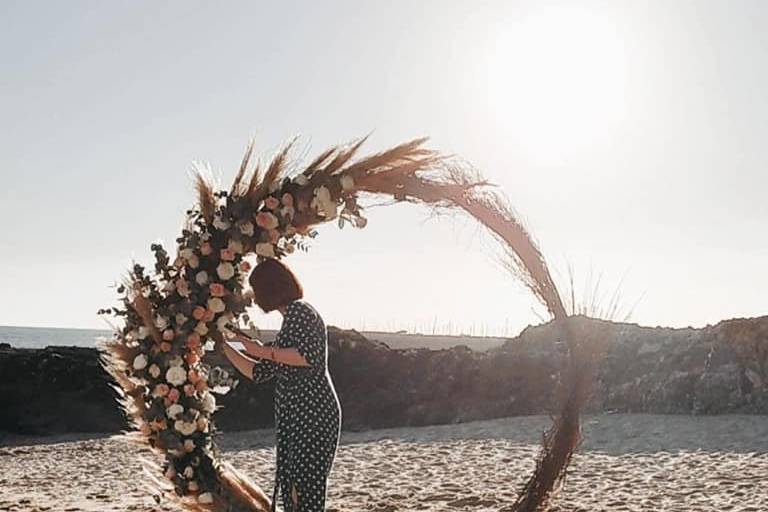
[307, 410]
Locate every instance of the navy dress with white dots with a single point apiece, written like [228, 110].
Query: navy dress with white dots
[307, 411]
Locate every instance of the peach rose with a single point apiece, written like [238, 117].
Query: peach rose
[182, 287]
[192, 358]
[198, 313]
[201, 385]
[227, 254]
[287, 199]
[193, 340]
[194, 376]
[174, 395]
[168, 335]
[217, 290]
[161, 390]
[189, 389]
[245, 266]
[272, 203]
[266, 220]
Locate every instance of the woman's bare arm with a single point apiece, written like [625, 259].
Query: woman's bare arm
[288, 356]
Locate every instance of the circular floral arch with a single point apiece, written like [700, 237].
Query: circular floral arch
[171, 313]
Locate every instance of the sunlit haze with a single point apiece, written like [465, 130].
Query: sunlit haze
[630, 137]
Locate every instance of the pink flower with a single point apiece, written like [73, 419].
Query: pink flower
[272, 203]
[161, 390]
[266, 220]
[174, 395]
[206, 249]
[193, 340]
[227, 255]
[217, 290]
[245, 266]
[198, 313]
[287, 199]
[168, 335]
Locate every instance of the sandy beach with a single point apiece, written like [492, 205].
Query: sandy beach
[626, 463]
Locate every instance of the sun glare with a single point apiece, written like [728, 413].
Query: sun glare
[557, 81]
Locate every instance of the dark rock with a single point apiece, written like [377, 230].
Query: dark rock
[720, 369]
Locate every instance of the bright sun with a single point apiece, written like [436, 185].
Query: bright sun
[557, 81]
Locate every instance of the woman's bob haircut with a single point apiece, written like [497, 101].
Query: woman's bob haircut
[274, 285]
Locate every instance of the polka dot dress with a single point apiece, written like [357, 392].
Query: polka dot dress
[307, 411]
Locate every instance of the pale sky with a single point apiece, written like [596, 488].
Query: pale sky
[630, 136]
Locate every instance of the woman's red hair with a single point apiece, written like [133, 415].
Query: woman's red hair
[274, 285]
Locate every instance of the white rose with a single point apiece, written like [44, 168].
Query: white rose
[222, 321]
[246, 228]
[161, 322]
[225, 270]
[220, 223]
[187, 428]
[140, 362]
[174, 411]
[201, 328]
[347, 183]
[176, 376]
[201, 278]
[143, 332]
[216, 305]
[209, 403]
[154, 371]
[189, 472]
[205, 498]
[236, 246]
[323, 203]
[265, 249]
[301, 180]
[176, 361]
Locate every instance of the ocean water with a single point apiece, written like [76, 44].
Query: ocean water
[41, 337]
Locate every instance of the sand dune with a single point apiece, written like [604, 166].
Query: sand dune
[627, 463]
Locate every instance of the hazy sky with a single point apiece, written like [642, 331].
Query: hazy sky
[630, 136]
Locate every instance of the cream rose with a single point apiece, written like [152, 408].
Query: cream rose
[220, 223]
[154, 371]
[265, 249]
[235, 246]
[216, 305]
[174, 411]
[246, 228]
[140, 362]
[187, 428]
[208, 403]
[205, 498]
[176, 375]
[201, 278]
[225, 270]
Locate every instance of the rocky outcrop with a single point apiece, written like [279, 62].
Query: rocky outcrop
[718, 369]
